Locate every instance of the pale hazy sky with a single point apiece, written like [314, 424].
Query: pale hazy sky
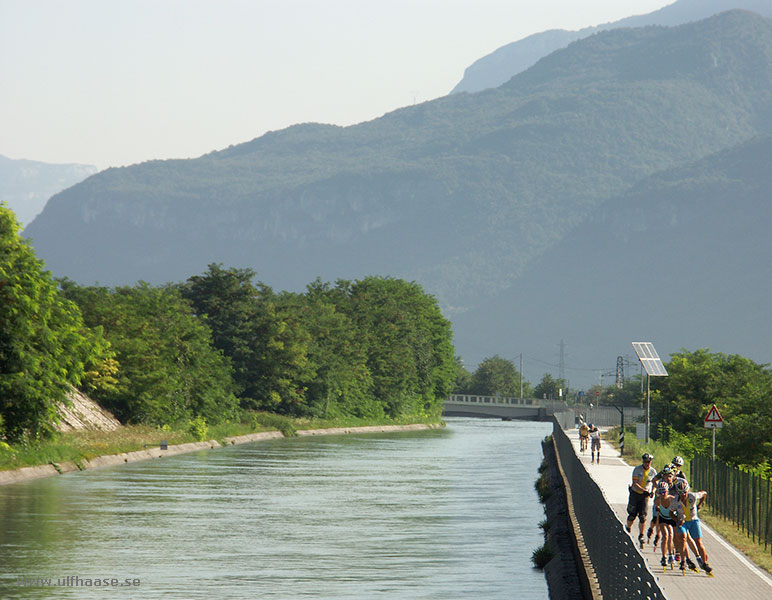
[115, 82]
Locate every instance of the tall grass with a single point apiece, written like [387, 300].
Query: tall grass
[635, 448]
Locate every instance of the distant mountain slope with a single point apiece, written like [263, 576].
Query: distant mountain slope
[26, 185]
[460, 194]
[501, 65]
[682, 259]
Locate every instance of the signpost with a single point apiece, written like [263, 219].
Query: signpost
[621, 430]
[714, 421]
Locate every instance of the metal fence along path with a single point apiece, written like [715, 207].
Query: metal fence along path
[742, 497]
[735, 576]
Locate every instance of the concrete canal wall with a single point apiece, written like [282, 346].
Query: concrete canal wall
[112, 460]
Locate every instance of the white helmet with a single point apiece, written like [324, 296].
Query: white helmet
[677, 460]
[681, 486]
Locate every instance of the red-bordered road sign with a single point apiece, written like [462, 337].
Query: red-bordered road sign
[714, 420]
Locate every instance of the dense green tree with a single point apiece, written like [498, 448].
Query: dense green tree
[168, 369]
[266, 345]
[739, 387]
[463, 381]
[549, 387]
[696, 381]
[746, 438]
[409, 346]
[498, 376]
[44, 347]
[339, 381]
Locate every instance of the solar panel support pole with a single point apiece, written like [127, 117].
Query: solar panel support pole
[648, 406]
[651, 363]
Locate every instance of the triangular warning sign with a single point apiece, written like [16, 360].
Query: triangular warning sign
[713, 416]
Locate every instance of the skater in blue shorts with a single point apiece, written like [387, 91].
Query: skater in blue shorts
[684, 509]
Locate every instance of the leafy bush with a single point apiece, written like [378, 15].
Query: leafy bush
[274, 421]
[198, 428]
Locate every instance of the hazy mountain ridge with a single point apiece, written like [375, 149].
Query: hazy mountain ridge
[682, 259]
[462, 194]
[504, 63]
[26, 185]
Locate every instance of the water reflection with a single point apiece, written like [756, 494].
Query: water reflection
[436, 514]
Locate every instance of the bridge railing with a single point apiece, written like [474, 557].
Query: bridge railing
[478, 399]
[619, 568]
[472, 399]
[602, 416]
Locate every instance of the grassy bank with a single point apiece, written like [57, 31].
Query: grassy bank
[75, 446]
[635, 447]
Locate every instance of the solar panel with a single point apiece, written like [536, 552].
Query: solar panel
[649, 359]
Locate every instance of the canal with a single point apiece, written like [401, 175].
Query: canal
[443, 514]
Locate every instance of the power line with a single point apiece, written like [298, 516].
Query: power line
[549, 364]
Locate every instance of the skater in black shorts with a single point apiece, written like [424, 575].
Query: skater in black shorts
[640, 492]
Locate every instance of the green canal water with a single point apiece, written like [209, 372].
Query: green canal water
[442, 514]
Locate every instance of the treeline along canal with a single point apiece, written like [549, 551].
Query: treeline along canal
[448, 513]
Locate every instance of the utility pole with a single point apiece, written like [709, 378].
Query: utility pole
[562, 365]
[620, 372]
[521, 378]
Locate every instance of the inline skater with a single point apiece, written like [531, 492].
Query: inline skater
[676, 466]
[666, 524]
[667, 470]
[684, 509]
[678, 473]
[640, 492]
[584, 435]
[595, 443]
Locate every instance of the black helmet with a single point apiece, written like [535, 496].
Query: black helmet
[648, 457]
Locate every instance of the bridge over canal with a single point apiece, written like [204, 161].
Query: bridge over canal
[498, 407]
[533, 409]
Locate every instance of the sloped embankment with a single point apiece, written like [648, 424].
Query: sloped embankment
[84, 413]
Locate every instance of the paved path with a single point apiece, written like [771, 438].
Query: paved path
[736, 578]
